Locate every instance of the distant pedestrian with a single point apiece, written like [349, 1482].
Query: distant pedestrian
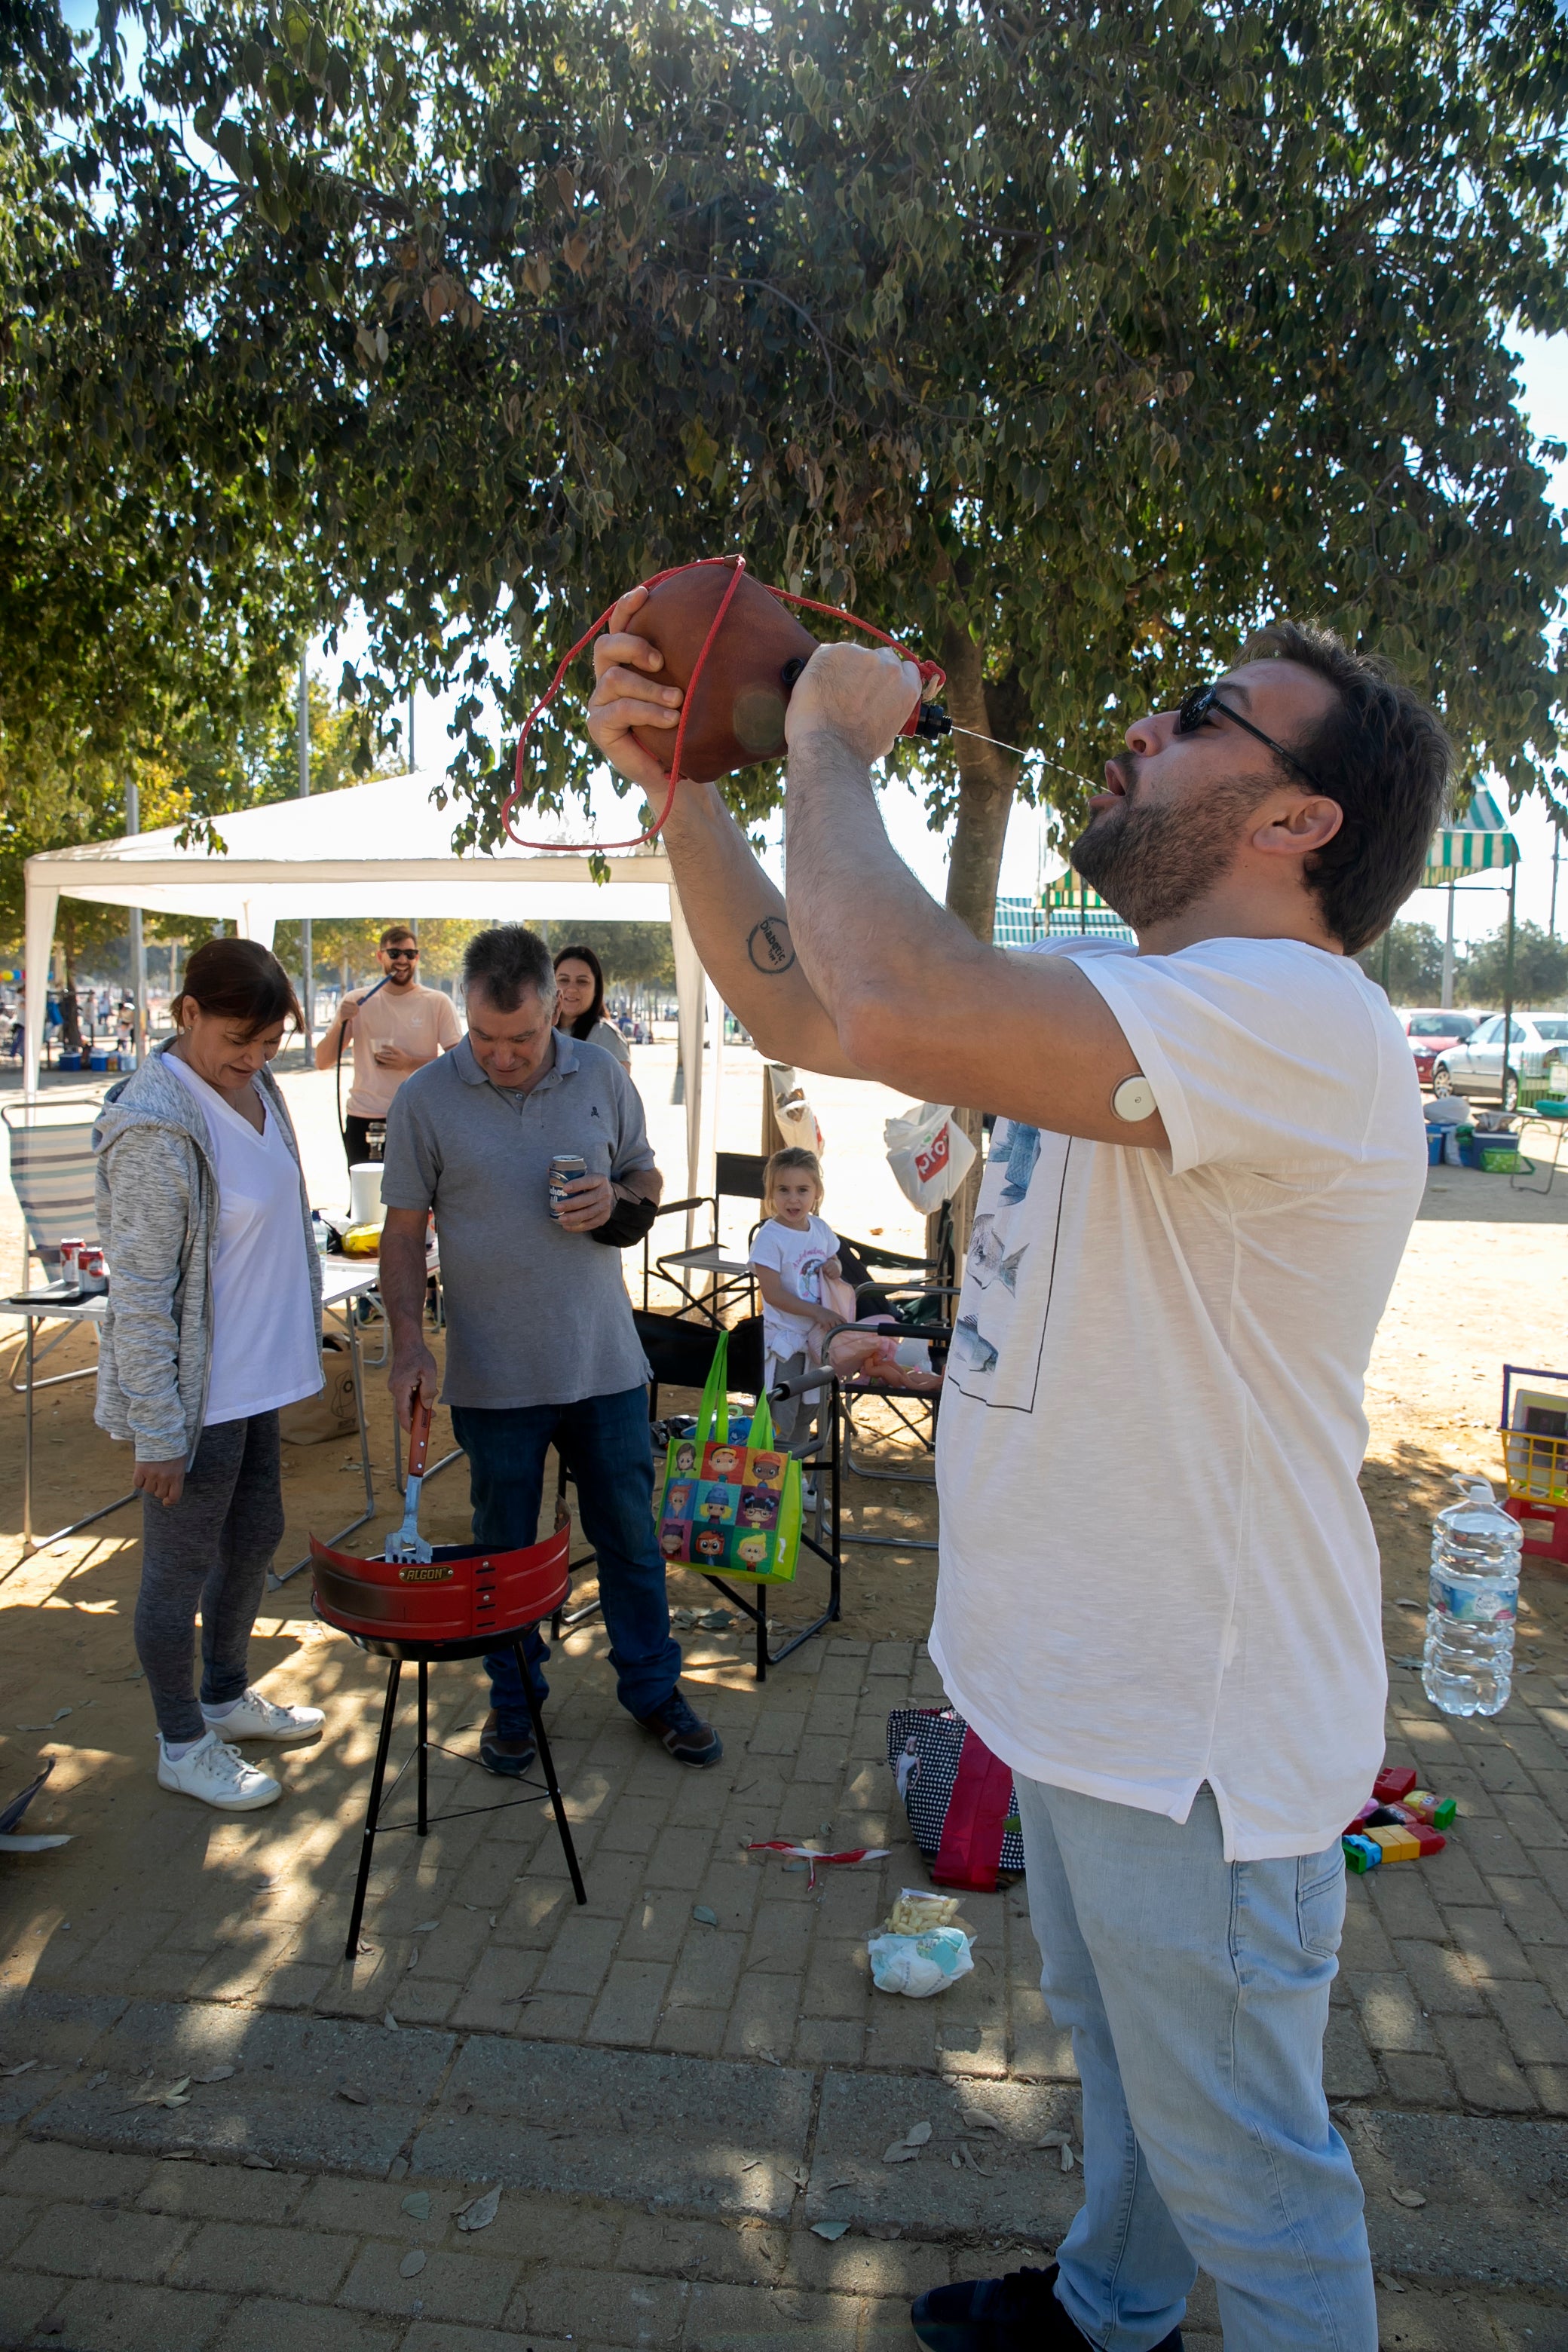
[579, 1003]
[392, 1029]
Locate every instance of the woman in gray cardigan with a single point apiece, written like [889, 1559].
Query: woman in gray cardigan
[214, 1324]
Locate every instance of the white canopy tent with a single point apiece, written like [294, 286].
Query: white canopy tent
[381, 849]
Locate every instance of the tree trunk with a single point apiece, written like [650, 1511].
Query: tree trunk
[987, 778]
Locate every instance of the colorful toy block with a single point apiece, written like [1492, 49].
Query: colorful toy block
[1398, 1843]
[1421, 1805]
[1362, 1853]
[1394, 1782]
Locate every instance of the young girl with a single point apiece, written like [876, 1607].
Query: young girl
[793, 1251]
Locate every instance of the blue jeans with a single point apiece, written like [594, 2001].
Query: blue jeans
[1197, 1994]
[605, 1444]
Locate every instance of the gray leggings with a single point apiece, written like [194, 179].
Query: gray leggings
[215, 1547]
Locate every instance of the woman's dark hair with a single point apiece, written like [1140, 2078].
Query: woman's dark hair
[238, 980]
[1383, 756]
[584, 1025]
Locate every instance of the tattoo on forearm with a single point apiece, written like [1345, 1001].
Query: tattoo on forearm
[770, 947]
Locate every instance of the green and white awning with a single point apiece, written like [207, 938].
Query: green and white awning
[1480, 839]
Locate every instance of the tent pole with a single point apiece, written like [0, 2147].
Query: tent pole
[1508, 984]
[1387, 946]
[307, 940]
[138, 951]
[42, 903]
[1448, 954]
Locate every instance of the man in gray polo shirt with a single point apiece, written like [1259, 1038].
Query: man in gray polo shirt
[540, 1344]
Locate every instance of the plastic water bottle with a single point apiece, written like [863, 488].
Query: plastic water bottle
[319, 1234]
[1466, 1667]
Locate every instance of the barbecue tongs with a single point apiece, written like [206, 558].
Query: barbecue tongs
[407, 1543]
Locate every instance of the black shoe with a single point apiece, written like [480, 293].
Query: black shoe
[688, 1739]
[1016, 2313]
[498, 1753]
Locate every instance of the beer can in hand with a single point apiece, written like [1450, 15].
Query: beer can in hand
[565, 1169]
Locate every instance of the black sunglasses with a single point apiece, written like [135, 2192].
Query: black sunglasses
[1195, 708]
[400, 954]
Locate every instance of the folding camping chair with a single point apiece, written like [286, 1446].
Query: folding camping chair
[737, 1176]
[937, 1302]
[52, 1176]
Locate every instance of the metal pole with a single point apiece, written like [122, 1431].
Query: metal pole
[411, 759]
[1448, 953]
[1556, 858]
[1387, 945]
[307, 940]
[1507, 984]
[138, 952]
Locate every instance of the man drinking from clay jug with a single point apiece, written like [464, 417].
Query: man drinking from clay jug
[1159, 1596]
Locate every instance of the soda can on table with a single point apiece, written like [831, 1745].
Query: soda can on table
[94, 1274]
[71, 1249]
[565, 1169]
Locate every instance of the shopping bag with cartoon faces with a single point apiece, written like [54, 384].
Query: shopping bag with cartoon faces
[707, 1547]
[752, 1550]
[766, 1470]
[675, 1540]
[680, 1496]
[716, 1504]
[759, 1508]
[724, 1462]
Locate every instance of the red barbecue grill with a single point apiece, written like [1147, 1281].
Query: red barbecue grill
[420, 1604]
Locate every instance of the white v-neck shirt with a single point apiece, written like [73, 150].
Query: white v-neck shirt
[1157, 1568]
[265, 1350]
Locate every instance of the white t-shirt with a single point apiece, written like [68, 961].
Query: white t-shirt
[419, 1021]
[1156, 1566]
[265, 1349]
[798, 1258]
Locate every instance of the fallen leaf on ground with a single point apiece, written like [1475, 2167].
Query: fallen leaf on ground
[389, 2021]
[884, 2229]
[899, 2153]
[214, 2075]
[355, 2098]
[413, 1956]
[22, 2068]
[1066, 2159]
[978, 2120]
[412, 2262]
[59, 1714]
[1054, 2139]
[426, 1926]
[708, 1918]
[973, 2161]
[831, 2231]
[259, 2163]
[481, 2212]
[1391, 2285]
[175, 2155]
[917, 2135]
[418, 2204]
[1411, 2197]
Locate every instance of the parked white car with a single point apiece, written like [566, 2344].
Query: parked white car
[1475, 1068]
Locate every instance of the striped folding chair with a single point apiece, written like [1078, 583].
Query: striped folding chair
[52, 1176]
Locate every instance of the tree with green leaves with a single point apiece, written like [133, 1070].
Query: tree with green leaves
[1063, 343]
[1413, 974]
[1540, 968]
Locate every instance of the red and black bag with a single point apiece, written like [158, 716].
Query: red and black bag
[960, 1799]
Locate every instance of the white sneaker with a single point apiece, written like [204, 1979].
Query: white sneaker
[217, 1774]
[255, 1717]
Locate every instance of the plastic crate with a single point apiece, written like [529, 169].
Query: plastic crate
[1535, 1457]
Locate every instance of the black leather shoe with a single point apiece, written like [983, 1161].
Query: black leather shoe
[688, 1739]
[498, 1753]
[1018, 2313]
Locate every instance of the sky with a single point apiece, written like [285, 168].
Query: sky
[1480, 905]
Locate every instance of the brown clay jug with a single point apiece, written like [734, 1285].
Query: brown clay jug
[737, 714]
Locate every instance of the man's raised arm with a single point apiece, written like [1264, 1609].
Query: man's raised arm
[736, 917]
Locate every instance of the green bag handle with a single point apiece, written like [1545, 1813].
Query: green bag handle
[762, 1435]
[715, 1393]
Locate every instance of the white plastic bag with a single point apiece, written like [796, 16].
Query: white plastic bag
[797, 1121]
[928, 1153]
[920, 1965]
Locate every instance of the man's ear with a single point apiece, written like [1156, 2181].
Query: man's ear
[1306, 825]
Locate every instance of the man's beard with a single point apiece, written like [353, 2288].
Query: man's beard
[1152, 863]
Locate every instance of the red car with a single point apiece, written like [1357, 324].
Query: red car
[1430, 1034]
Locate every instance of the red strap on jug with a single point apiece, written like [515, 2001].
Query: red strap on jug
[929, 672]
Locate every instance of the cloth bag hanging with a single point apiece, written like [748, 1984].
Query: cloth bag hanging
[730, 1509]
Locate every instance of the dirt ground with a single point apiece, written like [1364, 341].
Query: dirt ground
[1482, 1284]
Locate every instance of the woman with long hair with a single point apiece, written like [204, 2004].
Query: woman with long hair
[579, 1003]
[214, 1324]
